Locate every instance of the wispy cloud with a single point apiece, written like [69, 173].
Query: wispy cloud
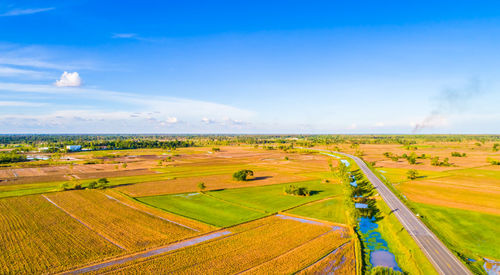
[124, 35]
[12, 72]
[20, 103]
[17, 12]
[117, 111]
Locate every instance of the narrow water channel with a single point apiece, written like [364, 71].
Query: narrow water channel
[370, 235]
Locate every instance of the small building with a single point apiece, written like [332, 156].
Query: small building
[74, 148]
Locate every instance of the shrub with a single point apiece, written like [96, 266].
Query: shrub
[64, 186]
[296, 191]
[216, 149]
[458, 154]
[242, 175]
[382, 270]
[493, 161]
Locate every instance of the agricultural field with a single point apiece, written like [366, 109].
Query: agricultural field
[37, 237]
[331, 209]
[152, 216]
[272, 244]
[121, 224]
[233, 206]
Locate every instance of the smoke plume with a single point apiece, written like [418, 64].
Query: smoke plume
[449, 101]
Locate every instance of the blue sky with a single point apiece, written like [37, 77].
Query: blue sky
[249, 67]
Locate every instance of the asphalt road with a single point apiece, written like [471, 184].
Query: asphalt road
[437, 253]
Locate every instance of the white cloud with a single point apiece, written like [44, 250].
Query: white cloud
[69, 80]
[124, 35]
[207, 120]
[379, 124]
[17, 12]
[171, 120]
[353, 126]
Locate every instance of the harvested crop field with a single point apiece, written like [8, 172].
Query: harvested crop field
[252, 247]
[123, 225]
[476, 193]
[37, 237]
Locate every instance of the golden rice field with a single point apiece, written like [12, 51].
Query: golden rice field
[36, 237]
[261, 245]
[301, 256]
[340, 261]
[123, 225]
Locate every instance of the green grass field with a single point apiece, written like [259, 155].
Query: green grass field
[232, 206]
[329, 210]
[203, 208]
[271, 198]
[471, 233]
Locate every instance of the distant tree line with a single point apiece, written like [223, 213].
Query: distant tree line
[9, 157]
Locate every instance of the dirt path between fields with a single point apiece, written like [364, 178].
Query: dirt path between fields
[154, 252]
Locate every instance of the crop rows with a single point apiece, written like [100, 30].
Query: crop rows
[302, 256]
[341, 261]
[37, 237]
[125, 226]
[253, 246]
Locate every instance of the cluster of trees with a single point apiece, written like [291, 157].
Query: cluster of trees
[436, 162]
[296, 190]
[495, 147]
[101, 183]
[411, 158]
[10, 157]
[242, 175]
[458, 154]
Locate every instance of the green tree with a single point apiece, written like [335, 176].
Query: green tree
[92, 185]
[495, 147]
[202, 186]
[435, 161]
[242, 175]
[102, 183]
[412, 174]
[124, 165]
